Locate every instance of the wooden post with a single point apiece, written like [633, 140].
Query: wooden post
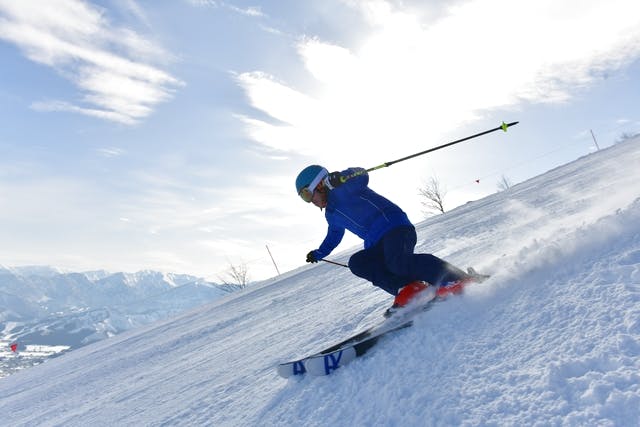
[594, 139]
[272, 260]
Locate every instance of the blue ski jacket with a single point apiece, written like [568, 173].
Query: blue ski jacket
[355, 207]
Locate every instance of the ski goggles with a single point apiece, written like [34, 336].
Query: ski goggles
[306, 193]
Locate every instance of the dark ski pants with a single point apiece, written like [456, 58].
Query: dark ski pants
[391, 264]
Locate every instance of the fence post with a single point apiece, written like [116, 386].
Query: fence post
[594, 139]
[272, 260]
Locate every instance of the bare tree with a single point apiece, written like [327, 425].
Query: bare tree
[236, 275]
[433, 193]
[504, 183]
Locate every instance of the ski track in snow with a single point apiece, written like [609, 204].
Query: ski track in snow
[553, 338]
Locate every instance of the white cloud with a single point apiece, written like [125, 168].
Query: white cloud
[204, 3]
[409, 79]
[281, 102]
[253, 11]
[133, 8]
[296, 112]
[111, 152]
[113, 67]
[114, 116]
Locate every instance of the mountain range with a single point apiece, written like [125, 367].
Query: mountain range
[47, 312]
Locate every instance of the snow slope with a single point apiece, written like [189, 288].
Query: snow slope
[552, 338]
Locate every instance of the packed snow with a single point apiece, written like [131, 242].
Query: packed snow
[552, 338]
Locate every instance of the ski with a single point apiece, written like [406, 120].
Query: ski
[357, 345]
[345, 351]
[328, 360]
[297, 367]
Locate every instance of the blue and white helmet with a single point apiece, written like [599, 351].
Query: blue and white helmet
[310, 177]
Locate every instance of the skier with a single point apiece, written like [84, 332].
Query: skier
[387, 260]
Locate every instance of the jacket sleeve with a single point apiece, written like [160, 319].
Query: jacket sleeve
[335, 233]
[331, 241]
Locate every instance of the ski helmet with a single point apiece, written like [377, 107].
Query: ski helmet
[310, 177]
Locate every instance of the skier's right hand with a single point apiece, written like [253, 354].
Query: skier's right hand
[311, 257]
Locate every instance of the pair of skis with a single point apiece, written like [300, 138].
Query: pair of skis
[338, 355]
[332, 358]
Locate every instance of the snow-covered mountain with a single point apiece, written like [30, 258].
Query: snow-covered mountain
[553, 338]
[47, 311]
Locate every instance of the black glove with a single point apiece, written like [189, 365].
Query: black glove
[334, 179]
[311, 257]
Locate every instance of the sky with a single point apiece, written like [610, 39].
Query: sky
[167, 135]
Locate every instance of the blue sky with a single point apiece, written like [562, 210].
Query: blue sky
[167, 135]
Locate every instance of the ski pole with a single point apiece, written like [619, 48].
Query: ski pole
[504, 126]
[334, 263]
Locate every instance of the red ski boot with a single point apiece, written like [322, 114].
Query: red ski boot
[405, 295]
[453, 288]
[456, 287]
